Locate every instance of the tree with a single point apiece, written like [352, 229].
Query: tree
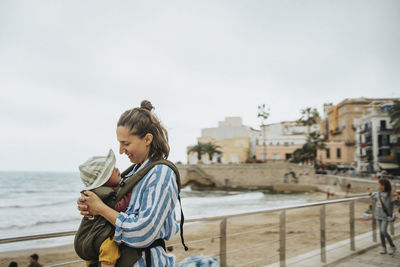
[211, 149]
[395, 116]
[309, 116]
[314, 143]
[308, 152]
[199, 149]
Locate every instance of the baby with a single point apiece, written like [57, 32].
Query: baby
[96, 172]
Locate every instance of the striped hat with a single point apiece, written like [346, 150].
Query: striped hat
[97, 170]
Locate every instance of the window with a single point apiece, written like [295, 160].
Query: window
[328, 153]
[264, 156]
[383, 125]
[276, 156]
[338, 153]
[356, 109]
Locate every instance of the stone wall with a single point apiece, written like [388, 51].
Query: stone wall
[265, 175]
[252, 175]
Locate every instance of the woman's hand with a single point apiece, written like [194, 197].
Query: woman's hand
[90, 204]
[82, 207]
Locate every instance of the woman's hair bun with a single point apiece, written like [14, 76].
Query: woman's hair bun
[146, 104]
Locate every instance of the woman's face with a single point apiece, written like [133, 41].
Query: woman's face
[137, 149]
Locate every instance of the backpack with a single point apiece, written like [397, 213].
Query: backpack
[92, 233]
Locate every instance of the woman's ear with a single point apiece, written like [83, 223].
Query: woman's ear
[148, 138]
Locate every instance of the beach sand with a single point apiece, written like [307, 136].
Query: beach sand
[249, 237]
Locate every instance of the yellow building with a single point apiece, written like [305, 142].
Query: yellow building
[233, 138]
[234, 150]
[339, 129]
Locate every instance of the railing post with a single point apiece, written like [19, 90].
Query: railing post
[373, 222]
[282, 239]
[323, 237]
[222, 244]
[352, 232]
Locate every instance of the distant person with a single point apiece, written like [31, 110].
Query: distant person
[348, 187]
[328, 193]
[13, 264]
[384, 199]
[34, 261]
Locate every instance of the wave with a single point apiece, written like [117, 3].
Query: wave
[37, 205]
[38, 223]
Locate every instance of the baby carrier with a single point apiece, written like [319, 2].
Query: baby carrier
[92, 233]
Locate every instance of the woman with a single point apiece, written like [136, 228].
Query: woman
[151, 212]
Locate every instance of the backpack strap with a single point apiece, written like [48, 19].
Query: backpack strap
[126, 186]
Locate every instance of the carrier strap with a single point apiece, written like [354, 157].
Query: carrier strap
[128, 184]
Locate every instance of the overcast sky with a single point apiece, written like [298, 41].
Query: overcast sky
[68, 69]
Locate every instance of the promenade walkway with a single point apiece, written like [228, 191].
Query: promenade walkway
[372, 258]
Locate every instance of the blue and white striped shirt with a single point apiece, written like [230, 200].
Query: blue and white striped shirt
[150, 215]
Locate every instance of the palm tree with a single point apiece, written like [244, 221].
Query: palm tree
[309, 116]
[211, 149]
[199, 149]
[395, 116]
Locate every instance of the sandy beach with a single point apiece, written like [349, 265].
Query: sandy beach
[249, 237]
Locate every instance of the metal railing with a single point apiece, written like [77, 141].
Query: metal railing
[223, 253]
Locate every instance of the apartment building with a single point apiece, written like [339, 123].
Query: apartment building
[339, 128]
[278, 141]
[376, 143]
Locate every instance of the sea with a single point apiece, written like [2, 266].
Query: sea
[45, 202]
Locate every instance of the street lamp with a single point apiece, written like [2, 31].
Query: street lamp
[263, 113]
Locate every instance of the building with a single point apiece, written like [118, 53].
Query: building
[376, 144]
[339, 129]
[236, 141]
[281, 140]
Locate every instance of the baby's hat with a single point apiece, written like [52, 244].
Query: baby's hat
[97, 170]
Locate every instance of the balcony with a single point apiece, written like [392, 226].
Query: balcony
[365, 131]
[385, 130]
[366, 144]
[349, 142]
[384, 145]
[386, 159]
[336, 131]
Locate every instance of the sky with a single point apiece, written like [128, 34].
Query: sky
[68, 69]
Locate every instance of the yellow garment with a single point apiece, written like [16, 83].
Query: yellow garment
[109, 252]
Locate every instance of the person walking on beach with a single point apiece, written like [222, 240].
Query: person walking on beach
[150, 216]
[384, 200]
[34, 261]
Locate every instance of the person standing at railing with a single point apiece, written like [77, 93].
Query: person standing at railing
[150, 217]
[385, 198]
